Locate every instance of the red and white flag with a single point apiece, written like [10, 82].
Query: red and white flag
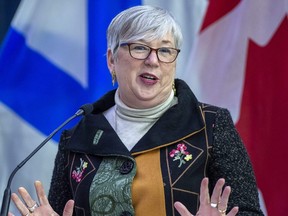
[240, 61]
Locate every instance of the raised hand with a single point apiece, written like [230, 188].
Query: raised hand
[218, 204]
[29, 207]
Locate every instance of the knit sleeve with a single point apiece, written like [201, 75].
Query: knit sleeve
[59, 192]
[229, 159]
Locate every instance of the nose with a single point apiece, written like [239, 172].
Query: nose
[152, 57]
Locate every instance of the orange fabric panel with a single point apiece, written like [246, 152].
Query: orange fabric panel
[147, 188]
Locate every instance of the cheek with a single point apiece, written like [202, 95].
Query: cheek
[125, 72]
[169, 73]
[127, 67]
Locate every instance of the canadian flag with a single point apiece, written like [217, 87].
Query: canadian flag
[240, 61]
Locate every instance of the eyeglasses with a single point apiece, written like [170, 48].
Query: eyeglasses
[141, 52]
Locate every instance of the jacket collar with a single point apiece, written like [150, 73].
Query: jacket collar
[180, 121]
[95, 135]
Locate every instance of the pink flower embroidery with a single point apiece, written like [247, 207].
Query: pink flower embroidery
[180, 154]
[78, 173]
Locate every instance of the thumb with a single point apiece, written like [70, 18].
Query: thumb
[68, 209]
[182, 210]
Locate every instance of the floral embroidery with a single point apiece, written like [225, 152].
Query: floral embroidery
[78, 173]
[180, 154]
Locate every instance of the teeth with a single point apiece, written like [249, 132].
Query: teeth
[149, 77]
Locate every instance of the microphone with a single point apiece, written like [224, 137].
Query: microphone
[83, 110]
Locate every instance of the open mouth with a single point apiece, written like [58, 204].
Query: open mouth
[148, 76]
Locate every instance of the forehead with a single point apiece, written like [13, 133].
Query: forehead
[166, 39]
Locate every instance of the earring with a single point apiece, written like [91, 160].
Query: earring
[114, 78]
[174, 88]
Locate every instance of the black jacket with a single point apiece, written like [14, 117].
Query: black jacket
[190, 141]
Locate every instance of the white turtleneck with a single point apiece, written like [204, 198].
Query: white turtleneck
[131, 124]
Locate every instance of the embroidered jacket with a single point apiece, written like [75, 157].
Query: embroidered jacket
[190, 141]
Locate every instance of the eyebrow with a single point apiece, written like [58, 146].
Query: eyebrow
[163, 41]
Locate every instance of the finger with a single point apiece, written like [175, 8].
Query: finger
[41, 193]
[182, 210]
[68, 209]
[26, 197]
[222, 206]
[233, 211]
[19, 204]
[204, 192]
[217, 192]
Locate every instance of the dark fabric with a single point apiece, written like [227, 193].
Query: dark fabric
[207, 132]
[229, 160]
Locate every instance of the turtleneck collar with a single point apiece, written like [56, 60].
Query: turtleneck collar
[143, 115]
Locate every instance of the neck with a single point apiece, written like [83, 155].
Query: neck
[149, 113]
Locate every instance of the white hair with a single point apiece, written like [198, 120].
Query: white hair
[142, 23]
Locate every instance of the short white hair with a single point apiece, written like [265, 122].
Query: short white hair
[142, 23]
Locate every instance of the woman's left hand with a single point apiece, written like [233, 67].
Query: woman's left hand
[218, 204]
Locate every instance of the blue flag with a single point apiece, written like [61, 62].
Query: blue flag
[51, 62]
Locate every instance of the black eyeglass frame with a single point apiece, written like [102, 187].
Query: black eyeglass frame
[151, 49]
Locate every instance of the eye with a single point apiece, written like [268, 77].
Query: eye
[139, 48]
[164, 50]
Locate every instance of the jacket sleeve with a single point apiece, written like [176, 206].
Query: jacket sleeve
[229, 159]
[59, 192]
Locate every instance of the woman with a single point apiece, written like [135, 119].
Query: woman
[149, 147]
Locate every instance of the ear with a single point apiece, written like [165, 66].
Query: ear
[110, 60]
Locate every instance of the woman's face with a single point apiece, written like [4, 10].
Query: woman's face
[143, 83]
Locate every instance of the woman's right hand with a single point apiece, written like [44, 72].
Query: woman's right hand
[29, 207]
